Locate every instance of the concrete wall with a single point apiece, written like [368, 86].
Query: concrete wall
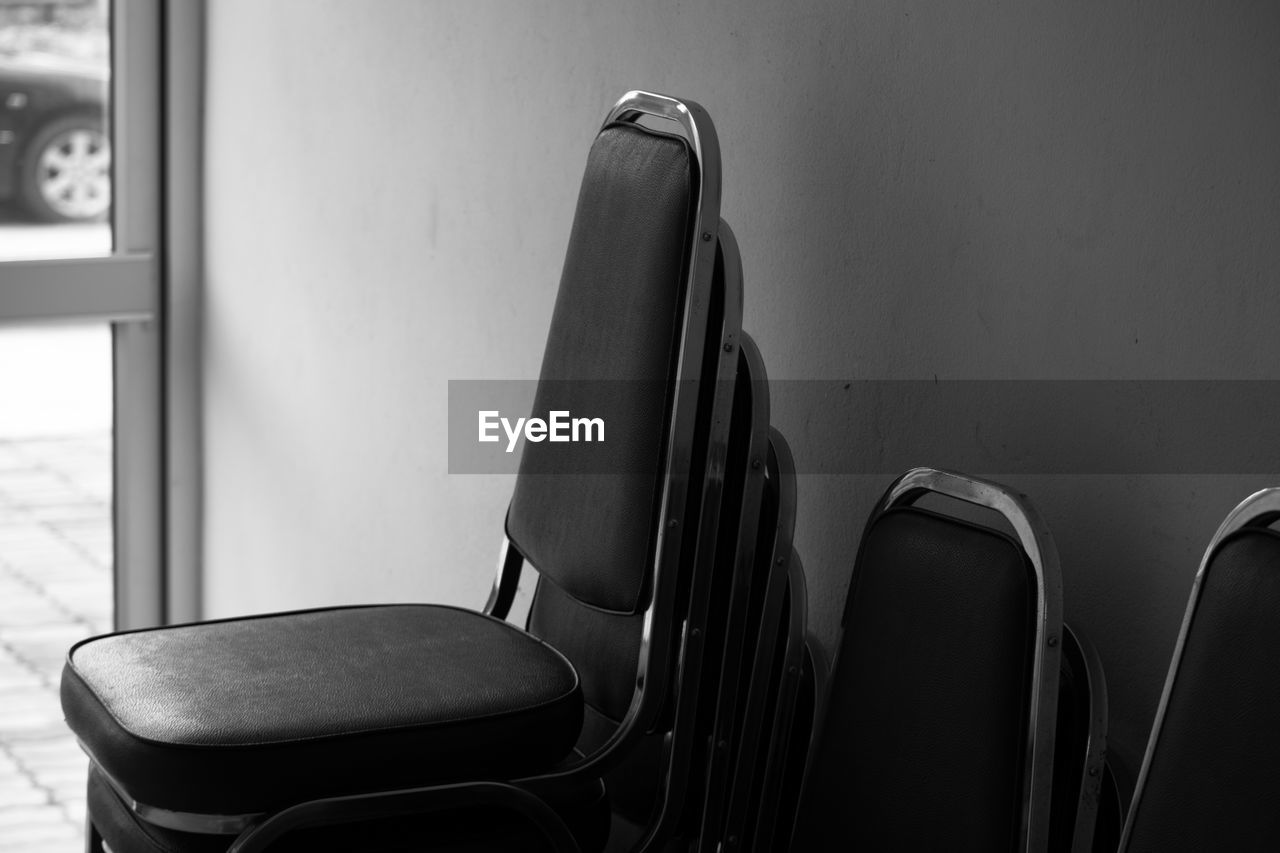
[975, 190]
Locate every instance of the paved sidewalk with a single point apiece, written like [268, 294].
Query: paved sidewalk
[55, 588]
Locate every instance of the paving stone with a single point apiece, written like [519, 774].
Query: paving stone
[17, 791]
[75, 809]
[20, 816]
[61, 831]
[15, 675]
[50, 755]
[55, 588]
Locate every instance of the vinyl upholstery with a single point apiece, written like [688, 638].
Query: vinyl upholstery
[610, 353]
[923, 742]
[248, 715]
[1214, 778]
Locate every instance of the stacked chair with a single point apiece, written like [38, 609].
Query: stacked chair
[635, 705]
[1210, 779]
[938, 727]
[663, 693]
[960, 713]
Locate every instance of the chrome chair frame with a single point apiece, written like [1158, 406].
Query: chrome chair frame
[1261, 509]
[796, 747]
[780, 739]
[710, 240]
[739, 596]
[1089, 795]
[683, 740]
[753, 718]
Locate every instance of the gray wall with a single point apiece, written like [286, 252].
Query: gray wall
[998, 190]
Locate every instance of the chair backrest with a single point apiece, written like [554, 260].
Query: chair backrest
[645, 333]
[1210, 779]
[647, 787]
[635, 334]
[1080, 746]
[584, 514]
[937, 732]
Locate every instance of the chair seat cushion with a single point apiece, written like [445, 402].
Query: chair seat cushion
[248, 715]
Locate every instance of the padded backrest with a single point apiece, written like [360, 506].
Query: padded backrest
[610, 354]
[923, 741]
[1213, 777]
[604, 647]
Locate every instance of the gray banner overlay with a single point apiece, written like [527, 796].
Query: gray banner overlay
[980, 426]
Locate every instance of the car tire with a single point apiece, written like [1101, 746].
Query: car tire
[66, 172]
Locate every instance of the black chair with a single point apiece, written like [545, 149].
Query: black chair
[343, 727]
[937, 731]
[1210, 779]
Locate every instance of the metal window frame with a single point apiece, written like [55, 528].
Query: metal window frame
[157, 458]
[147, 290]
[1261, 509]
[183, 288]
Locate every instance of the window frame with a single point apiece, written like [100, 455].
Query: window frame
[148, 289]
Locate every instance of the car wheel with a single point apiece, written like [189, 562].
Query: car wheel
[67, 171]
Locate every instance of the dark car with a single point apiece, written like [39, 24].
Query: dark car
[55, 155]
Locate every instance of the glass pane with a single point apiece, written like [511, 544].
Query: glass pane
[55, 148]
[55, 566]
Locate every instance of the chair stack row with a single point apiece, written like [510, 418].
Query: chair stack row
[662, 693]
[634, 706]
[961, 713]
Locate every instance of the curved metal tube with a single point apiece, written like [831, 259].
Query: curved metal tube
[339, 810]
